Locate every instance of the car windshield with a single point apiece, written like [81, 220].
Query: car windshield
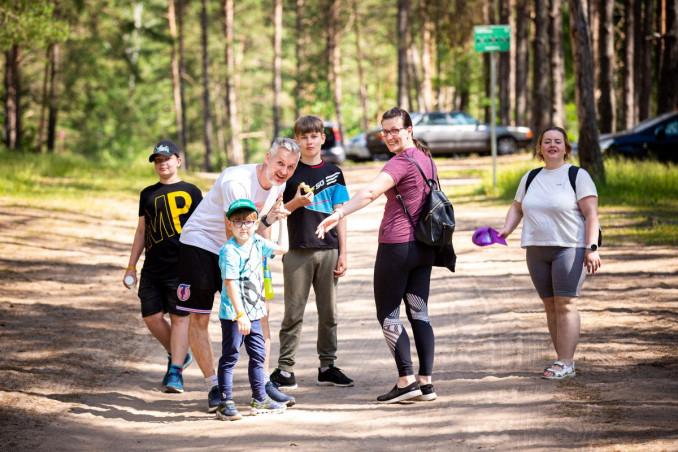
[649, 123]
[461, 118]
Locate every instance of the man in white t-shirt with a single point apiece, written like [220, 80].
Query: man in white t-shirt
[202, 237]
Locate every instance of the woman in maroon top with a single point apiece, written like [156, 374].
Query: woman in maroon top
[402, 271]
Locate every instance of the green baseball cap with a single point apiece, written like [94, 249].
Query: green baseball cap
[240, 204]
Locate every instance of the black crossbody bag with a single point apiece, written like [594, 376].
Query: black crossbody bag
[436, 222]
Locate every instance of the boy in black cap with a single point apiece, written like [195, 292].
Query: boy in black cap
[163, 209]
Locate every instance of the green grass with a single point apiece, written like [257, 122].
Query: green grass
[53, 180]
[638, 201]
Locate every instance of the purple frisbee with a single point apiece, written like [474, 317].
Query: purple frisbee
[486, 236]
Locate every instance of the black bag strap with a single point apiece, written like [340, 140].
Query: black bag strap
[571, 174]
[530, 177]
[428, 181]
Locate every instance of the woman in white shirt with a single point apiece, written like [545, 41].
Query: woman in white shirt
[560, 235]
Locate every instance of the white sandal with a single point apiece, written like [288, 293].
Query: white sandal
[559, 370]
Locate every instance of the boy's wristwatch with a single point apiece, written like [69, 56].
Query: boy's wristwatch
[593, 247]
[265, 223]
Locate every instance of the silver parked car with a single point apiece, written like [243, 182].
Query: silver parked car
[356, 148]
[456, 132]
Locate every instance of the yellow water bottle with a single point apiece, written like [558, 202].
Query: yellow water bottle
[268, 282]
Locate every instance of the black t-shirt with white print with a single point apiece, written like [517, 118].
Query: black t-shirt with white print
[165, 208]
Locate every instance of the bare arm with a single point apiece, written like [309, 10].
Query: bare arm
[513, 217]
[283, 245]
[137, 249]
[589, 208]
[364, 197]
[341, 267]
[244, 324]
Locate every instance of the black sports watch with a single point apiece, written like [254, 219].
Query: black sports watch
[593, 247]
[266, 223]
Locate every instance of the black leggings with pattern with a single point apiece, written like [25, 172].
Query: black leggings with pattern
[402, 272]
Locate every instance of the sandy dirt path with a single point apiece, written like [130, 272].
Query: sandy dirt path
[79, 371]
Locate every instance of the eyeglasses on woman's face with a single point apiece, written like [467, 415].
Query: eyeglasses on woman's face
[244, 224]
[392, 132]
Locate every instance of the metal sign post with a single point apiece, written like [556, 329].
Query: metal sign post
[493, 39]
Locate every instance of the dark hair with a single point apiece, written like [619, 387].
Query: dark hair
[397, 112]
[308, 124]
[568, 146]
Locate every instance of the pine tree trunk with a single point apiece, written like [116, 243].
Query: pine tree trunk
[522, 60]
[235, 151]
[334, 51]
[645, 88]
[176, 73]
[362, 86]
[53, 104]
[590, 157]
[427, 33]
[668, 81]
[504, 70]
[557, 63]
[413, 87]
[13, 97]
[606, 101]
[541, 75]
[182, 80]
[628, 106]
[206, 114]
[277, 64]
[403, 16]
[42, 124]
[299, 55]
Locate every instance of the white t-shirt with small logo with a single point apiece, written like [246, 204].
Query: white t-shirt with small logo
[206, 228]
[551, 215]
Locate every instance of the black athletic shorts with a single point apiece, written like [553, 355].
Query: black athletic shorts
[158, 295]
[199, 279]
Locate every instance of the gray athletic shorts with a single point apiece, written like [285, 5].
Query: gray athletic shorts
[556, 270]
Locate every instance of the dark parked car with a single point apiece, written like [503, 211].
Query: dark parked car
[655, 138]
[333, 149]
[456, 132]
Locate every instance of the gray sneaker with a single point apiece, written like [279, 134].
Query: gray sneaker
[268, 406]
[227, 411]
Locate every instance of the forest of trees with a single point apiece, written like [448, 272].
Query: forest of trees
[108, 78]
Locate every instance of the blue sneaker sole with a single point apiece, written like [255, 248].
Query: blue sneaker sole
[173, 390]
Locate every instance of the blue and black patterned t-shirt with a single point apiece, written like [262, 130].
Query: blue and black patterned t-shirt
[329, 187]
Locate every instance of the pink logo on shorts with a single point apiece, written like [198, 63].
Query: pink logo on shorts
[184, 292]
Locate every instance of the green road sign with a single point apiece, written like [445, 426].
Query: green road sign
[492, 38]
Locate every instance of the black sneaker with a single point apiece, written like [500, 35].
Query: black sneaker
[333, 376]
[213, 399]
[400, 394]
[282, 381]
[427, 393]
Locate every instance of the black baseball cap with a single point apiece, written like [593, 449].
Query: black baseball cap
[165, 148]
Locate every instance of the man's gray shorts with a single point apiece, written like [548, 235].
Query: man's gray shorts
[556, 270]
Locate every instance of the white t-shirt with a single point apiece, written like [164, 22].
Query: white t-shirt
[206, 228]
[551, 215]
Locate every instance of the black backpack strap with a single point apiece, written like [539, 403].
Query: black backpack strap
[429, 182]
[572, 174]
[530, 177]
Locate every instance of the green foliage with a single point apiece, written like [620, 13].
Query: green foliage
[29, 23]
